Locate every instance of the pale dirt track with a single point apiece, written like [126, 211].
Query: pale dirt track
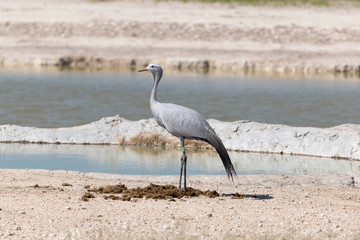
[223, 37]
[293, 207]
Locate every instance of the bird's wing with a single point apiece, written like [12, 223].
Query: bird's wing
[184, 122]
[158, 120]
[188, 123]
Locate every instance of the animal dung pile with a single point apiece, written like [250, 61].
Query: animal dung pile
[66, 185]
[85, 197]
[153, 191]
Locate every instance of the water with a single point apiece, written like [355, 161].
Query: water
[69, 98]
[159, 161]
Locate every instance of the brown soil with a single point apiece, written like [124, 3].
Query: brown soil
[153, 191]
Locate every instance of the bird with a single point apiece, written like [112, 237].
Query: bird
[185, 123]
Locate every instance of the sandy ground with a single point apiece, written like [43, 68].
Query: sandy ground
[180, 35]
[34, 204]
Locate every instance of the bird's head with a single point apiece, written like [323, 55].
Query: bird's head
[155, 69]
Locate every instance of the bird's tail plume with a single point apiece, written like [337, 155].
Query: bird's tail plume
[216, 142]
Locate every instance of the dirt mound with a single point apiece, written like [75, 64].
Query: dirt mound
[85, 197]
[153, 191]
[115, 189]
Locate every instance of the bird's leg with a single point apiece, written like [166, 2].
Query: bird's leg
[183, 164]
[181, 170]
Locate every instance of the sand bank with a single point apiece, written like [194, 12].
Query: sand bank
[216, 37]
[34, 204]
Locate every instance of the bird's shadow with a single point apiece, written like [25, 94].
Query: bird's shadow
[253, 196]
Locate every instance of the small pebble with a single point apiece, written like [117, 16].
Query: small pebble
[166, 227]
[22, 212]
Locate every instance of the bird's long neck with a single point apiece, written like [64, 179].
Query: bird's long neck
[153, 96]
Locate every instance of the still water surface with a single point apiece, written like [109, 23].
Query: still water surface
[69, 98]
[159, 161]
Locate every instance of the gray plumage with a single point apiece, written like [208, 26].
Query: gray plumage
[185, 123]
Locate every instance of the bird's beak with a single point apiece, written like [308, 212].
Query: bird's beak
[142, 70]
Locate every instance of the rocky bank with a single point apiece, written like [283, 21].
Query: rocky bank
[337, 142]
